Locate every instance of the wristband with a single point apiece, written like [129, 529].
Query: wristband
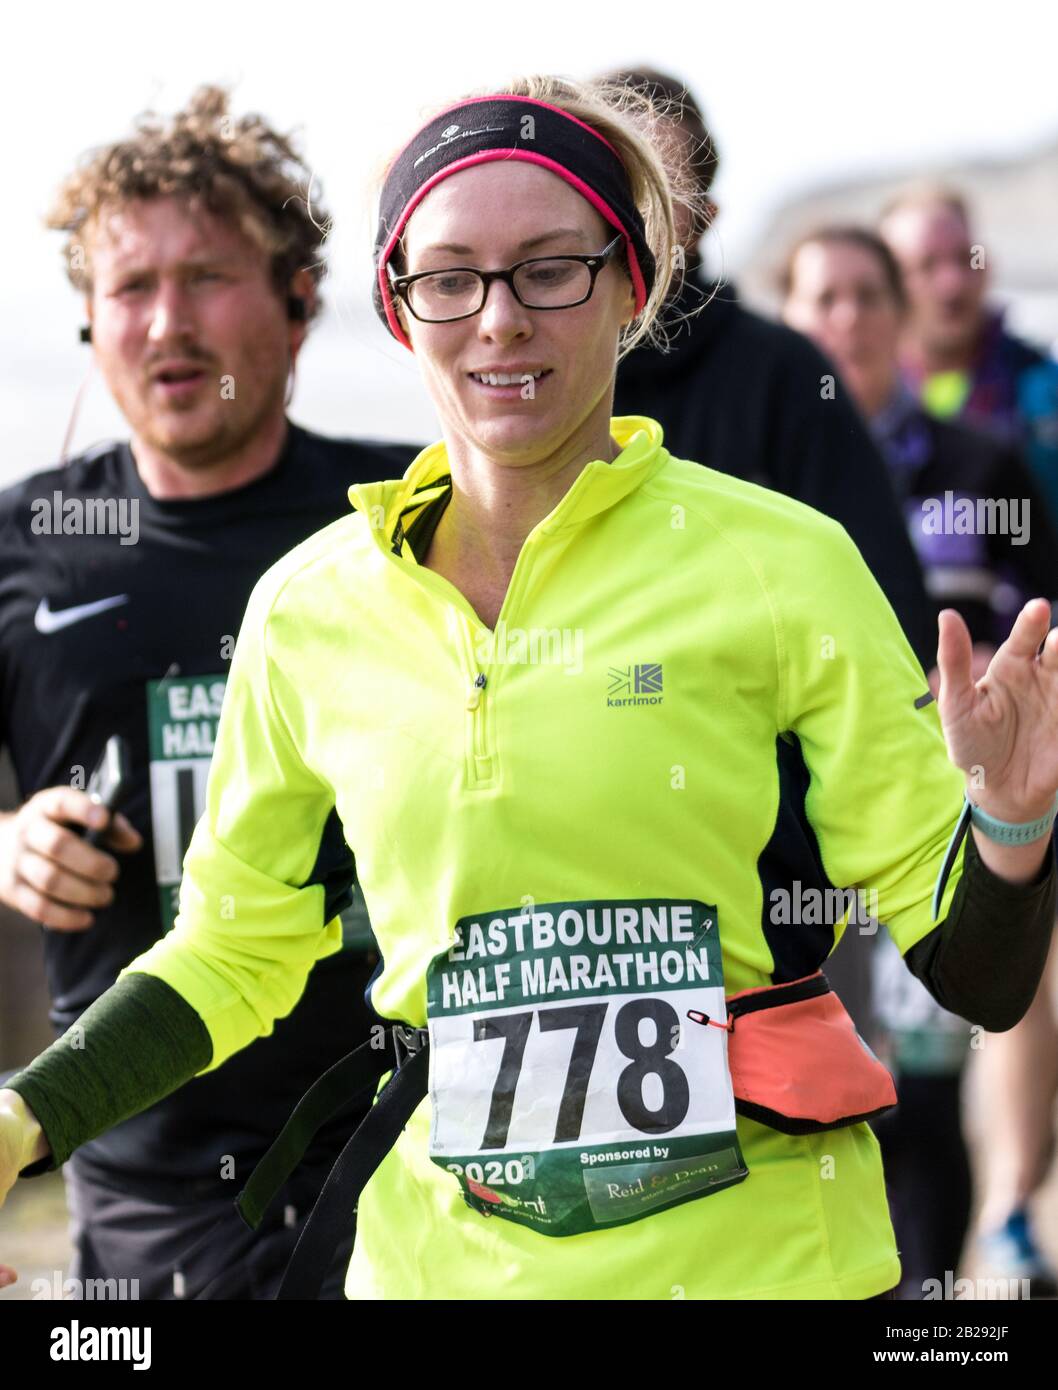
[1001, 831]
[1011, 833]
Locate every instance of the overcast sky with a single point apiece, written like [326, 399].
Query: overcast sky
[797, 94]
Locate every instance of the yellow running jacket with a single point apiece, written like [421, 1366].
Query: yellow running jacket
[569, 838]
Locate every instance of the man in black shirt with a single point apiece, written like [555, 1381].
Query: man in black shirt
[123, 579]
[755, 399]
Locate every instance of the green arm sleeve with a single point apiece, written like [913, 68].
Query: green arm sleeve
[137, 1043]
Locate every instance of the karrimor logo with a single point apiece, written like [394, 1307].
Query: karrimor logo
[635, 685]
[448, 130]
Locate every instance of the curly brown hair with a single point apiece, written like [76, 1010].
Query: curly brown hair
[237, 168]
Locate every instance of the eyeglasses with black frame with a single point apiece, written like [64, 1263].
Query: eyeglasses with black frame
[542, 282]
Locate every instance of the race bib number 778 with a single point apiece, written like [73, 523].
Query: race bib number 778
[578, 1062]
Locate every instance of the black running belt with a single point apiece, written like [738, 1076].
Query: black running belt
[351, 1076]
[404, 1051]
[333, 1213]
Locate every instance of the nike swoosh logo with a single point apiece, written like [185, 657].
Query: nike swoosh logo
[44, 620]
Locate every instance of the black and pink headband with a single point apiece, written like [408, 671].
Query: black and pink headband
[482, 129]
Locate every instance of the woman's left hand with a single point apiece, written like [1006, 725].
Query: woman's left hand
[1002, 730]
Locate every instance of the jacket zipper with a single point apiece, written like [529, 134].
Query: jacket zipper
[483, 678]
[479, 759]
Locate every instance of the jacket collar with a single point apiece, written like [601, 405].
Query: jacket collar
[599, 485]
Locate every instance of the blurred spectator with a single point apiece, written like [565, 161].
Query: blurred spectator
[957, 355]
[843, 288]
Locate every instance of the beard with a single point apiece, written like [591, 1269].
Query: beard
[224, 429]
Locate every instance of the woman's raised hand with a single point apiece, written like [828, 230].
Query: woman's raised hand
[1002, 729]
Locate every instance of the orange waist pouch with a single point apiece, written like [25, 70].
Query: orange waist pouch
[797, 1062]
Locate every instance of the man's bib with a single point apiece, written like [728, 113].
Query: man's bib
[182, 717]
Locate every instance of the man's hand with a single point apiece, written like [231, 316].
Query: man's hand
[22, 1142]
[47, 872]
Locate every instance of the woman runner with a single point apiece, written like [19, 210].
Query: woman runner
[546, 679]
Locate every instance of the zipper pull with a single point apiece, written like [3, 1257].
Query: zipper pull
[697, 1017]
[474, 694]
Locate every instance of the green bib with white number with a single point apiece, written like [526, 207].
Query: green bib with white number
[576, 1078]
[182, 715]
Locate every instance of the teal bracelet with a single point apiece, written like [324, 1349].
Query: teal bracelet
[1002, 831]
[1008, 833]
